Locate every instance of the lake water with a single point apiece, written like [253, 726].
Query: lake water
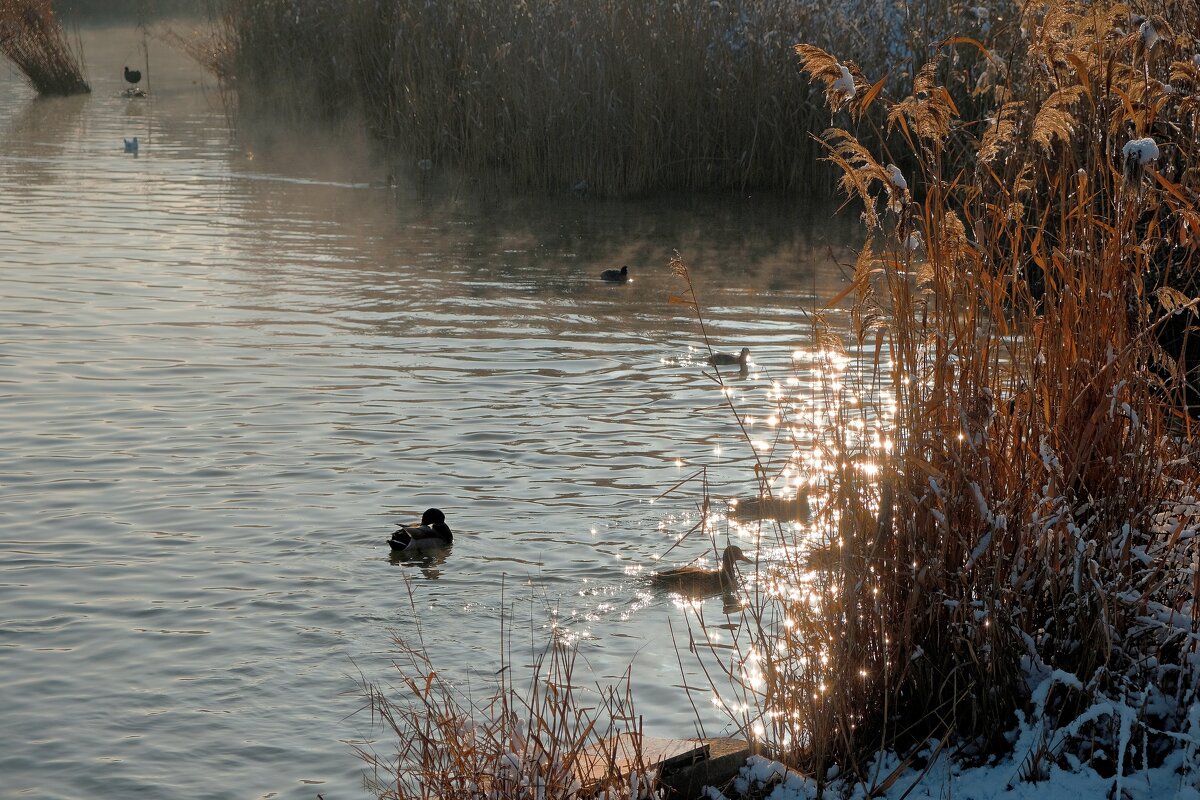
[229, 365]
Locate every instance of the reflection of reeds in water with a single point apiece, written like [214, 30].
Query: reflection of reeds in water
[33, 38]
[1027, 504]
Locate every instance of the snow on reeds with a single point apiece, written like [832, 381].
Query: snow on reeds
[32, 37]
[1009, 514]
[627, 96]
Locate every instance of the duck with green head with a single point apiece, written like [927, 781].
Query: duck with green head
[431, 532]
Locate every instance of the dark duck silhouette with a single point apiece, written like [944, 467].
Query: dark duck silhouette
[431, 532]
[133, 76]
[777, 508]
[700, 581]
[616, 275]
[729, 359]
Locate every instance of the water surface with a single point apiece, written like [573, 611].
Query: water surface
[229, 365]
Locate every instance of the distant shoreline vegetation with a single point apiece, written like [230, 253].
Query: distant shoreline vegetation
[92, 11]
[615, 98]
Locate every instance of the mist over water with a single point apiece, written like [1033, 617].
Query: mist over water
[230, 365]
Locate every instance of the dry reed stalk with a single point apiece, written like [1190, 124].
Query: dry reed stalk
[32, 37]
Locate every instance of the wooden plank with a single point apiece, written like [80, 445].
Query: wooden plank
[627, 752]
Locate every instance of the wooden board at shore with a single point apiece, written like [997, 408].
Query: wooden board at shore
[627, 752]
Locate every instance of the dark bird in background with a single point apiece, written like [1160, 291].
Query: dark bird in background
[729, 359]
[615, 275]
[134, 76]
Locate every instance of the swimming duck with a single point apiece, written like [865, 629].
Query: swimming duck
[729, 359]
[133, 75]
[777, 508]
[699, 581]
[432, 532]
[616, 275]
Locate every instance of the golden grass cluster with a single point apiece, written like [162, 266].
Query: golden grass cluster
[1019, 536]
[620, 96]
[547, 739]
[32, 37]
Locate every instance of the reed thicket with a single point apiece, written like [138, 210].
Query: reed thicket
[1010, 527]
[1005, 477]
[623, 96]
[549, 738]
[33, 38]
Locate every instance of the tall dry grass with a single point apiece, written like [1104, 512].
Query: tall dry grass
[548, 738]
[1010, 512]
[32, 37]
[620, 96]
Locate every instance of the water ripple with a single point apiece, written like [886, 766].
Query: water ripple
[228, 368]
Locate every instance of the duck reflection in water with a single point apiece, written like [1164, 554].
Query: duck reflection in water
[428, 561]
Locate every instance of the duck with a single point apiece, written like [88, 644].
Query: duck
[700, 581]
[616, 275]
[729, 359]
[777, 508]
[133, 75]
[431, 532]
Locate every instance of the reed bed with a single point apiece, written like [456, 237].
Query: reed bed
[1008, 529]
[617, 97]
[548, 739]
[1005, 551]
[33, 38]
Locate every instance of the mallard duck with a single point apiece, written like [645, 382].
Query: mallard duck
[133, 75]
[432, 532]
[729, 359]
[616, 275]
[699, 581]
